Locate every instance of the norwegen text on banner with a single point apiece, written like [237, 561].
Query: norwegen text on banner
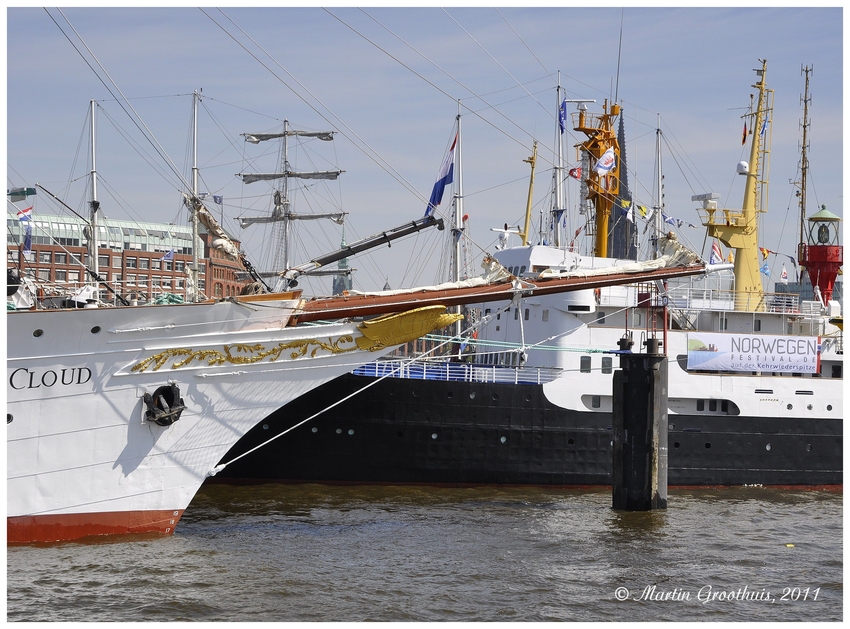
[752, 352]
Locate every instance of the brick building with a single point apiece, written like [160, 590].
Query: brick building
[137, 260]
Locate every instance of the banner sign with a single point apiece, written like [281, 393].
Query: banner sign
[752, 352]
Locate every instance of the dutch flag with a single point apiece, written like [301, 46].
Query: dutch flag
[444, 178]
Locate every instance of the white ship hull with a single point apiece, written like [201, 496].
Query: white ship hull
[82, 459]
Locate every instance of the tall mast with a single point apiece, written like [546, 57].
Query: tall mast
[458, 206]
[282, 210]
[94, 205]
[458, 219]
[739, 229]
[658, 220]
[194, 295]
[603, 183]
[559, 169]
[804, 166]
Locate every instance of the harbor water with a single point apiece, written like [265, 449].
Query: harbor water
[388, 553]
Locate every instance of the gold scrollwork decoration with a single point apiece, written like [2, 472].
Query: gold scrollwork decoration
[243, 354]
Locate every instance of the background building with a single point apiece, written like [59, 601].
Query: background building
[137, 260]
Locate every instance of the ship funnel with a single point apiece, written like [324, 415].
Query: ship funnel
[743, 168]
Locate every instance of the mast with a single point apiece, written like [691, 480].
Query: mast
[603, 184]
[282, 211]
[458, 223]
[739, 229]
[533, 161]
[658, 220]
[194, 294]
[559, 208]
[804, 166]
[94, 206]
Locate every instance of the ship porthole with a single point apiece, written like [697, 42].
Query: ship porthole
[38, 333]
[675, 444]
[315, 429]
[450, 394]
[8, 418]
[809, 407]
[339, 431]
[528, 398]
[495, 396]
[472, 395]
[829, 407]
[707, 446]
[809, 448]
[265, 426]
[95, 329]
[350, 431]
[767, 447]
[570, 442]
[790, 406]
[503, 439]
[434, 436]
[399, 434]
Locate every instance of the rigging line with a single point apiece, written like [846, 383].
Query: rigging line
[374, 156]
[619, 56]
[402, 364]
[145, 132]
[546, 109]
[460, 83]
[523, 42]
[146, 157]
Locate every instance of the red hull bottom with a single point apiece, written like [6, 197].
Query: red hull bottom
[65, 527]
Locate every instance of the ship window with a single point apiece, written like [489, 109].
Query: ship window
[607, 364]
[526, 314]
[516, 314]
[765, 391]
[498, 316]
[724, 406]
[724, 324]
[522, 269]
[757, 325]
[712, 405]
[637, 318]
[836, 371]
[600, 317]
[486, 312]
[585, 364]
[545, 315]
[595, 401]
[700, 405]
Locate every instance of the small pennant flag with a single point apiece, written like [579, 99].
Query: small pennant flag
[765, 269]
[217, 198]
[642, 210]
[784, 275]
[731, 257]
[744, 139]
[764, 253]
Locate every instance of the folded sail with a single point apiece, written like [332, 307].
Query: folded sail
[321, 174]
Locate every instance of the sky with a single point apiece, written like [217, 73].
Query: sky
[390, 82]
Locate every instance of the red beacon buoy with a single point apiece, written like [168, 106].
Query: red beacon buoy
[823, 254]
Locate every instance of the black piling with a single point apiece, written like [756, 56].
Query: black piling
[640, 429]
